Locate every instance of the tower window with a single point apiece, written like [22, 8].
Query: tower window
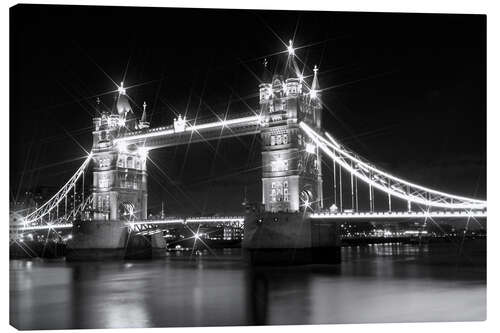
[103, 181]
[279, 165]
[104, 163]
[99, 203]
[279, 192]
[279, 139]
[106, 203]
[130, 162]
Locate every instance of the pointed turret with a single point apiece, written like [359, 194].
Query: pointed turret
[314, 92]
[266, 74]
[144, 123]
[265, 85]
[114, 110]
[143, 118]
[98, 108]
[122, 103]
[291, 69]
[100, 113]
[315, 100]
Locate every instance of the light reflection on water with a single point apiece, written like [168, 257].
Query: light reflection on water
[378, 283]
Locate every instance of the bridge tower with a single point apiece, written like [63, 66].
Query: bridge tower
[291, 173]
[282, 231]
[119, 170]
[119, 191]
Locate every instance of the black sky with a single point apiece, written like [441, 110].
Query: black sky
[408, 91]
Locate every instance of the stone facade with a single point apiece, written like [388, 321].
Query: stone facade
[119, 169]
[291, 173]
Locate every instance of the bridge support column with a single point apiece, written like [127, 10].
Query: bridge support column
[289, 239]
[112, 240]
[292, 185]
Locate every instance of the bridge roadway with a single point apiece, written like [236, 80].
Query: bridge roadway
[239, 220]
[167, 136]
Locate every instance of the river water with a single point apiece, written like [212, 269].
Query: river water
[377, 283]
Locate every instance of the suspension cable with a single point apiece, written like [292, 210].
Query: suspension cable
[352, 190]
[364, 165]
[53, 202]
[335, 183]
[466, 203]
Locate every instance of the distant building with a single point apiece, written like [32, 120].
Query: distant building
[232, 233]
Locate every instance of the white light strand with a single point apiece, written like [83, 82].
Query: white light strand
[335, 145]
[385, 215]
[470, 204]
[47, 226]
[47, 207]
[222, 123]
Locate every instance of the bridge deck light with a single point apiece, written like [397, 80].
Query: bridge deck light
[310, 148]
[313, 93]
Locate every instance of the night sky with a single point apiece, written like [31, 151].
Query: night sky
[405, 91]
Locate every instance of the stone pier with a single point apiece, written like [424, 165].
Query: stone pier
[112, 240]
[289, 239]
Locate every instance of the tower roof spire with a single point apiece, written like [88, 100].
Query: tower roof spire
[266, 74]
[143, 118]
[143, 123]
[315, 83]
[122, 103]
[98, 108]
[291, 50]
[291, 67]
[121, 89]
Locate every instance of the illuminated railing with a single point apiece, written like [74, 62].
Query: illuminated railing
[152, 224]
[222, 219]
[240, 219]
[397, 215]
[45, 227]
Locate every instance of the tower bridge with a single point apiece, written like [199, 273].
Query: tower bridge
[294, 144]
